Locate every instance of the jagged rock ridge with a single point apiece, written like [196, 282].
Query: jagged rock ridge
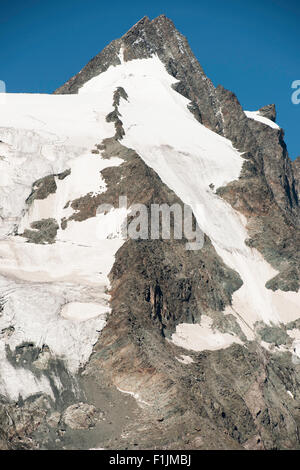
[241, 395]
[209, 105]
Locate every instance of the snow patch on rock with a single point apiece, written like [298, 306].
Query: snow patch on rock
[80, 311]
[258, 117]
[201, 337]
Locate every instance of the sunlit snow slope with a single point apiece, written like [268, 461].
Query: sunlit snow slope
[190, 158]
[52, 294]
[56, 294]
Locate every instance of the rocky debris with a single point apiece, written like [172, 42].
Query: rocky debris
[37, 422]
[229, 399]
[81, 416]
[40, 362]
[226, 323]
[232, 398]
[53, 419]
[288, 279]
[20, 421]
[7, 332]
[43, 359]
[273, 334]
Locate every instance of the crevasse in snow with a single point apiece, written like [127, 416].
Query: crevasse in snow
[54, 295]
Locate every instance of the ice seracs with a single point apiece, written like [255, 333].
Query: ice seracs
[54, 295]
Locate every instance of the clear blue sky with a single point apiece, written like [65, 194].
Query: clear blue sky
[249, 46]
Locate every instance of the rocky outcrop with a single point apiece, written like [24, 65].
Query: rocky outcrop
[114, 116]
[266, 191]
[162, 38]
[45, 186]
[265, 148]
[234, 398]
[81, 416]
[268, 112]
[44, 231]
[172, 284]
[296, 169]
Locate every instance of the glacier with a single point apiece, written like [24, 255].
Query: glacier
[57, 294]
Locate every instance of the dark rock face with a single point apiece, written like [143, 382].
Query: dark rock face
[45, 186]
[114, 116]
[230, 399]
[176, 284]
[223, 399]
[265, 148]
[296, 169]
[266, 192]
[44, 231]
[42, 188]
[155, 286]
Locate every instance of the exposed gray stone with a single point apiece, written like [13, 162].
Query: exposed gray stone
[81, 416]
[44, 231]
[268, 111]
[273, 334]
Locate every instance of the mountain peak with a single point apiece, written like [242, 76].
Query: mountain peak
[103, 291]
[139, 24]
[157, 37]
[159, 26]
[144, 39]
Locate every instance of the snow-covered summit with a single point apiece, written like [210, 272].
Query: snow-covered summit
[73, 303]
